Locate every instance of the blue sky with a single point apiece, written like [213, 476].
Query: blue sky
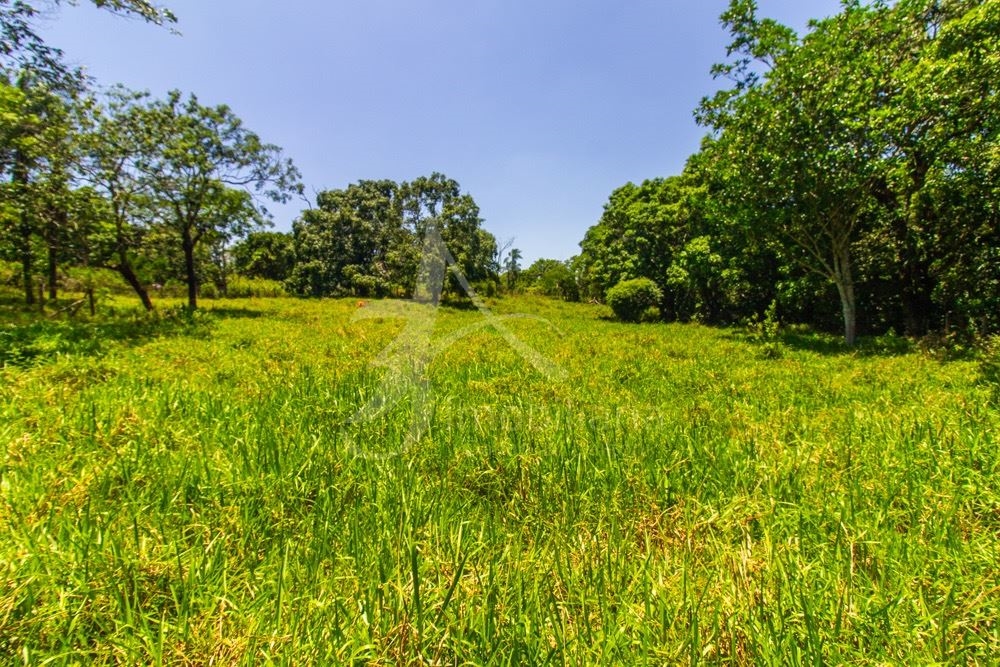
[539, 109]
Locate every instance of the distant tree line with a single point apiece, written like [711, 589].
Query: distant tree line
[849, 180]
[367, 239]
[149, 189]
[162, 191]
[545, 277]
[857, 165]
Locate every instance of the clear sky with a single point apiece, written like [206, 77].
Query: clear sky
[539, 108]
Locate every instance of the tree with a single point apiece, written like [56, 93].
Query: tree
[794, 163]
[38, 159]
[633, 237]
[512, 268]
[21, 46]
[143, 9]
[20, 126]
[367, 239]
[437, 201]
[842, 149]
[936, 128]
[641, 233]
[114, 145]
[203, 168]
[551, 278]
[269, 255]
[353, 242]
[40, 135]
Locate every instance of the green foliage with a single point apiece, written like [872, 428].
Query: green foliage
[512, 268]
[42, 340]
[673, 232]
[767, 332]
[203, 168]
[8, 273]
[353, 239]
[630, 299]
[550, 277]
[269, 255]
[23, 49]
[636, 236]
[849, 151]
[148, 11]
[367, 239]
[241, 287]
[695, 279]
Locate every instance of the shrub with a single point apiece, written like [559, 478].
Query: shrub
[630, 299]
[767, 332]
[9, 273]
[487, 288]
[241, 287]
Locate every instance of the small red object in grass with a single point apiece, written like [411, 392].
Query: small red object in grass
[361, 304]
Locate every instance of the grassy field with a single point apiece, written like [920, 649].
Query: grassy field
[203, 490]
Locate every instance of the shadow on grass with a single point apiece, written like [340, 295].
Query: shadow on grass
[228, 312]
[457, 303]
[647, 321]
[830, 345]
[31, 338]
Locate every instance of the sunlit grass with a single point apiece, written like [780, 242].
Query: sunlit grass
[205, 494]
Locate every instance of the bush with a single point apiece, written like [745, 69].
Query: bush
[241, 287]
[630, 299]
[10, 273]
[767, 332]
[487, 288]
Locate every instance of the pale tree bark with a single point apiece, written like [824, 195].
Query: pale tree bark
[848, 304]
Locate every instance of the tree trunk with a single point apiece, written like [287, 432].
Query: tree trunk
[917, 308]
[57, 223]
[844, 280]
[189, 269]
[125, 269]
[19, 179]
[223, 273]
[53, 271]
[913, 285]
[26, 263]
[849, 309]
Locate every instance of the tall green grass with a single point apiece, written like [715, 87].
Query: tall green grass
[678, 496]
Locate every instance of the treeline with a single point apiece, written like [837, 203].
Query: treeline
[163, 191]
[151, 189]
[368, 239]
[857, 165]
[849, 180]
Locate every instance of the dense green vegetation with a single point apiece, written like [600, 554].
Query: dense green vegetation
[367, 239]
[201, 492]
[630, 299]
[854, 164]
